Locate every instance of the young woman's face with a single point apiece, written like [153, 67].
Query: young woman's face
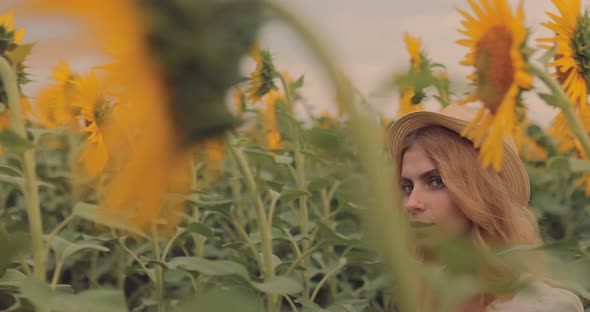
[434, 216]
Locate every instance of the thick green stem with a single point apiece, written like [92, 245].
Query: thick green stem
[159, 278]
[301, 183]
[384, 219]
[563, 103]
[265, 231]
[8, 77]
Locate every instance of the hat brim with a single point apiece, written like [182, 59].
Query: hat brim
[512, 169]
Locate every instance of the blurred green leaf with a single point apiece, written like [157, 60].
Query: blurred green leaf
[11, 280]
[279, 285]
[290, 195]
[9, 139]
[221, 300]
[97, 300]
[91, 212]
[11, 171]
[209, 267]
[64, 249]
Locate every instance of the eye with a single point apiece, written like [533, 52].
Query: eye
[407, 188]
[436, 181]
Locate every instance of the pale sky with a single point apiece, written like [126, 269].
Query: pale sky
[366, 38]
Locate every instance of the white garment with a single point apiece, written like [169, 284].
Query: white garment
[539, 297]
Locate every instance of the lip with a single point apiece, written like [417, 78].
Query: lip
[420, 225]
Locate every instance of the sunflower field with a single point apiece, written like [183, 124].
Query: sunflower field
[167, 179]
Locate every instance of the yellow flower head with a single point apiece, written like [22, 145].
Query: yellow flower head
[95, 112]
[7, 28]
[262, 77]
[495, 37]
[413, 47]
[406, 102]
[571, 61]
[410, 98]
[119, 29]
[273, 135]
[55, 102]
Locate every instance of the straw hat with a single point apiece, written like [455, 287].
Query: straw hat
[456, 117]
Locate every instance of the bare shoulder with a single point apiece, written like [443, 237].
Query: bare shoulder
[539, 297]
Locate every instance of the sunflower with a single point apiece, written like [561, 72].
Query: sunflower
[213, 150]
[7, 28]
[572, 70]
[572, 59]
[261, 79]
[95, 110]
[410, 98]
[271, 127]
[118, 29]
[54, 102]
[495, 37]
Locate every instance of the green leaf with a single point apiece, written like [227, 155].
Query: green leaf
[579, 165]
[38, 292]
[64, 249]
[324, 138]
[298, 84]
[308, 305]
[550, 99]
[318, 183]
[547, 56]
[11, 245]
[11, 171]
[11, 279]
[91, 212]
[559, 162]
[258, 154]
[197, 200]
[292, 194]
[279, 285]
[96, 300]
[221, 300]
[562, 162]
[209, 267]
[13, 141]
[327, 233]
[197, 227]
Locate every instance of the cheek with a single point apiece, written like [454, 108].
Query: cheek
[448, 215]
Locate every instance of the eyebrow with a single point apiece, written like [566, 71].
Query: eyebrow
[423, 175]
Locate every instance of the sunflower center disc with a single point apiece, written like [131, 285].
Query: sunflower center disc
[494, 68]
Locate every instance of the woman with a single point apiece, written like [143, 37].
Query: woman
[448, 195]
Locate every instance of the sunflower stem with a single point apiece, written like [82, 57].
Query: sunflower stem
[9, 80]
[265, 230]
[563, 103]
[159, 277]
[383, 217]
[301, 183]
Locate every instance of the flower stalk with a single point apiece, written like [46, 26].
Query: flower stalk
[559, 99]
[9, 80]
[265, 230]
[384, 219]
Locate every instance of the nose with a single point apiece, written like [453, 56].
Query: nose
[415, 201]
